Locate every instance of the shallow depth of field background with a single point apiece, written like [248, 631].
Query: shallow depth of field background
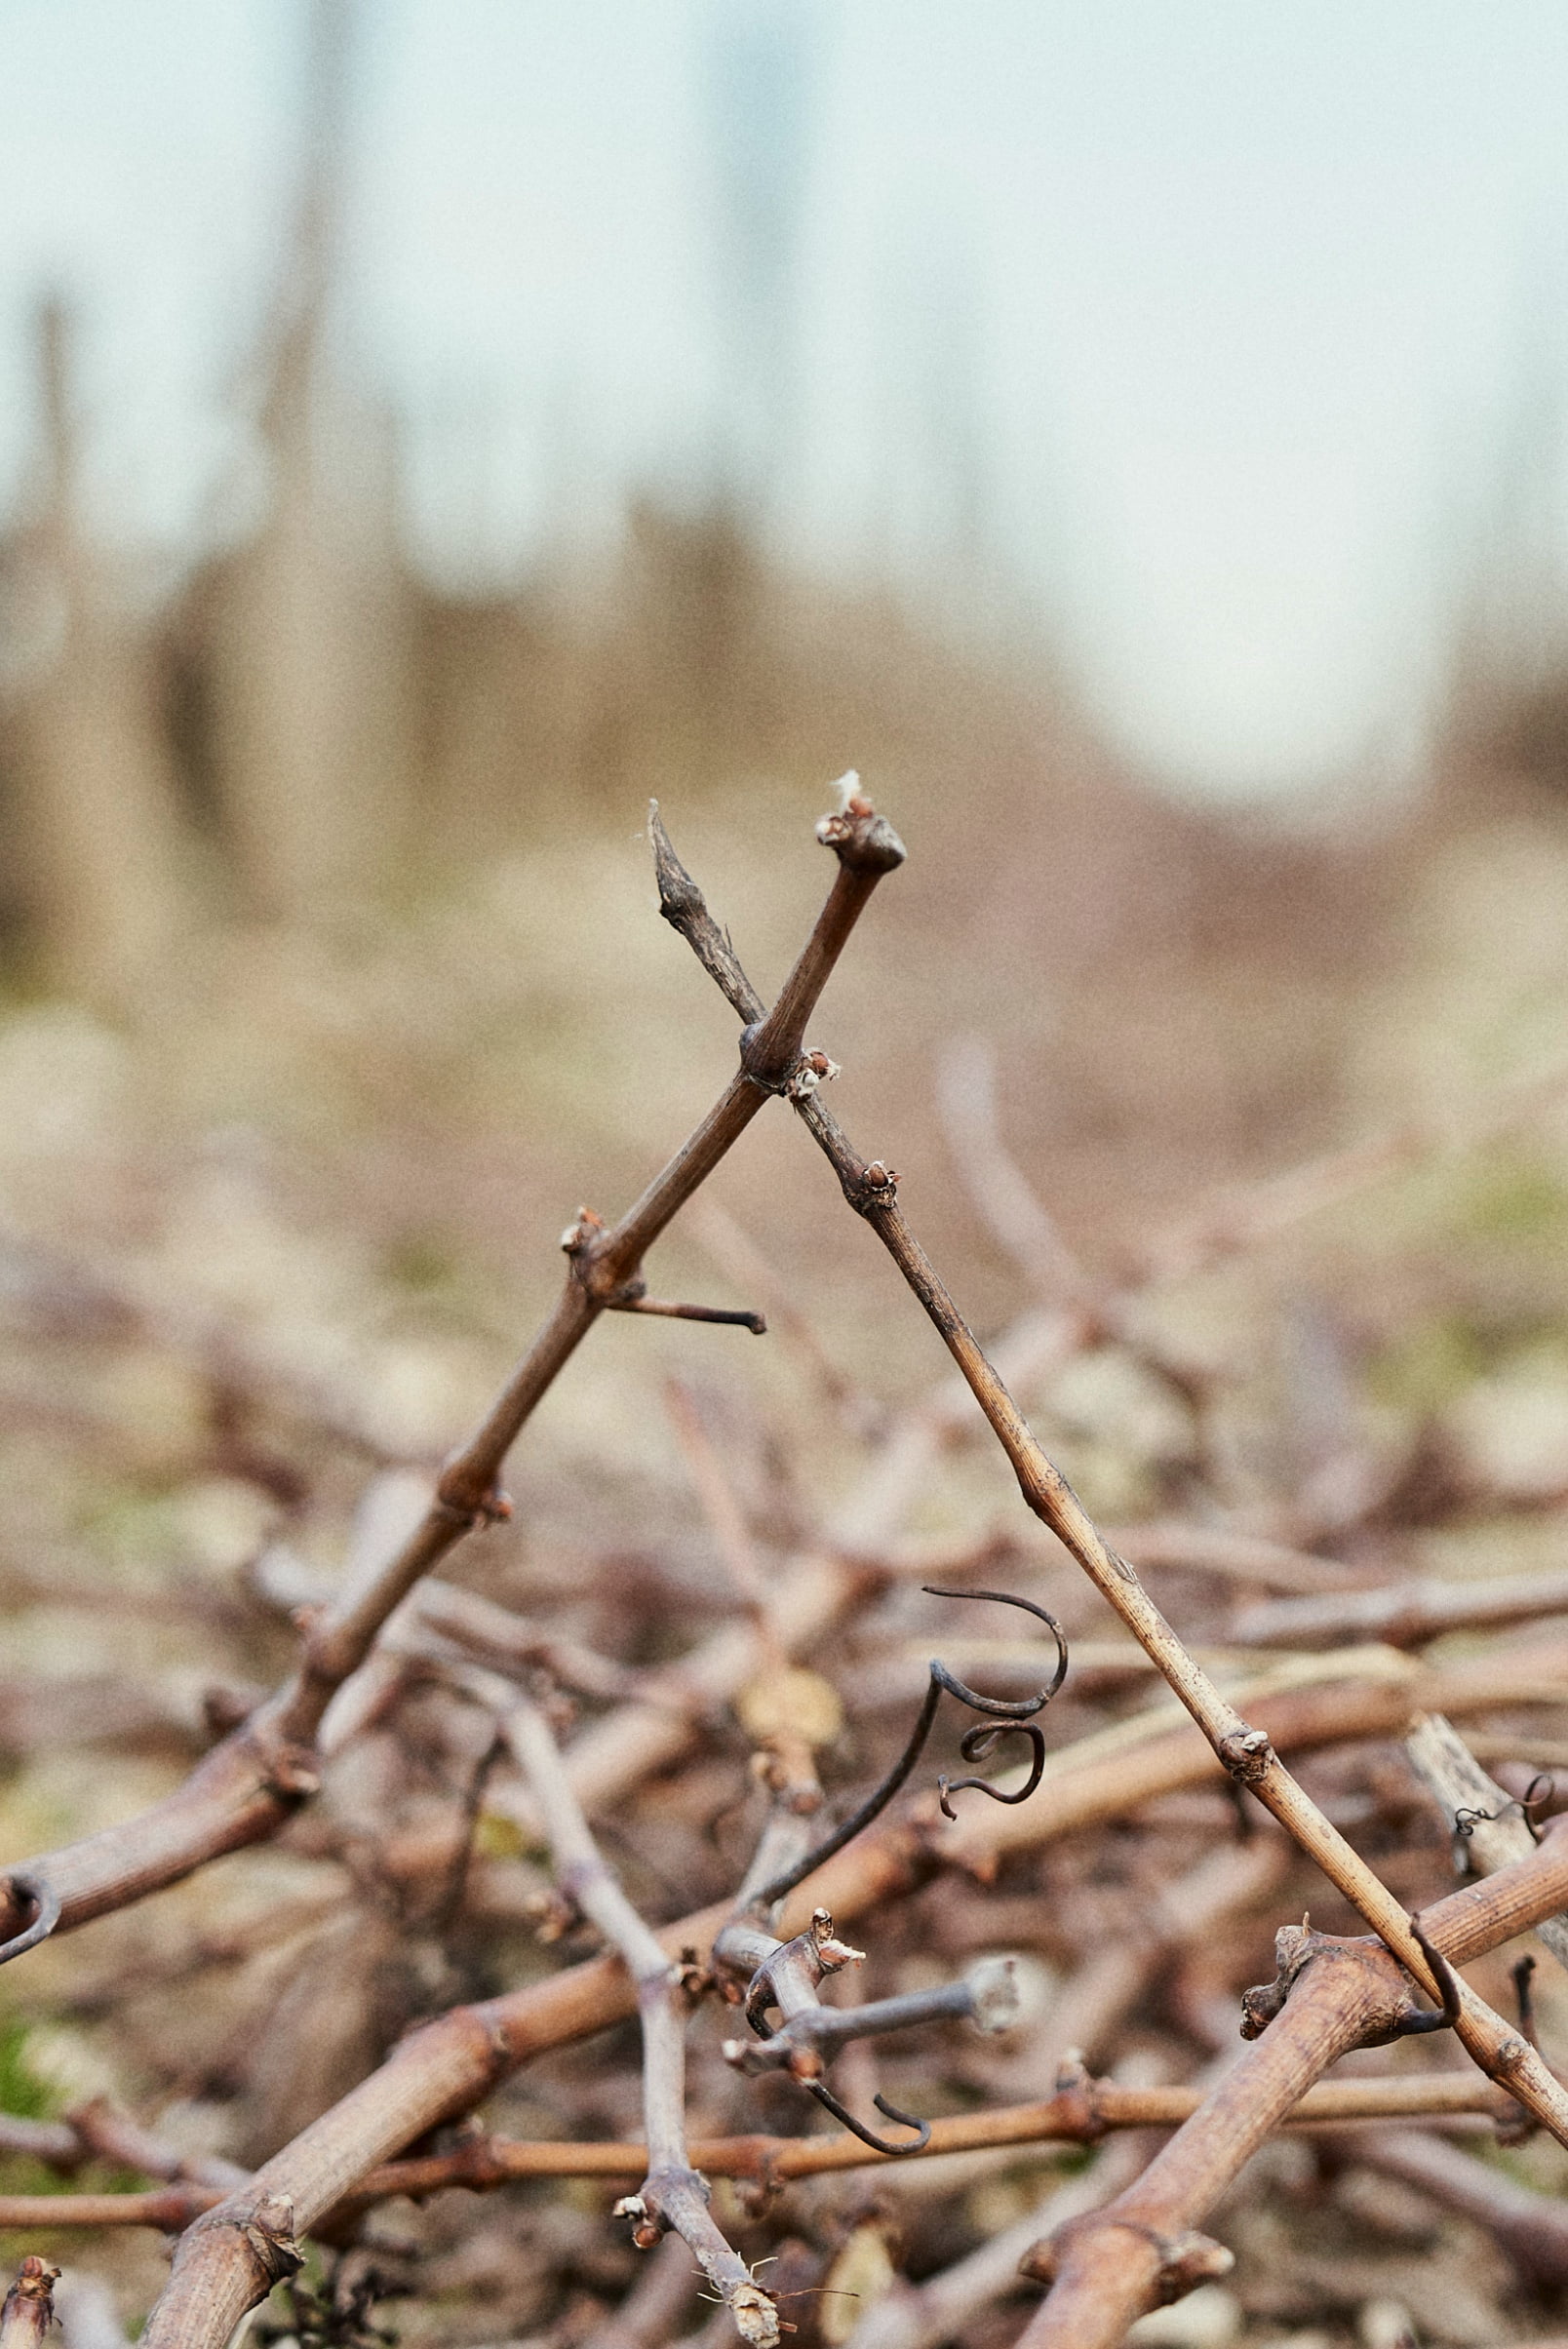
[334, 679]
[338, 666]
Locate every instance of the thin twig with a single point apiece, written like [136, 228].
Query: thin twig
[665, 1308]
[672, 2194]
[1080, 2114]
[1404, 1614]
[243, 1791]
[871, 1189]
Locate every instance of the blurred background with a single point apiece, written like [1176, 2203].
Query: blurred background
[1135, 444]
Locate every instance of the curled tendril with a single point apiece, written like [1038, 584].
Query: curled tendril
[1529, 1805]
[867, 2136]
[1004, 1714]
[46, 1907]
[759, 1998]
[974, 1745]
[757, 2017]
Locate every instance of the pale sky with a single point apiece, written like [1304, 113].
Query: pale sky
[1228, 307]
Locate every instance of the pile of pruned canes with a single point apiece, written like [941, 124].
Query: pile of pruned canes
[742, 1978]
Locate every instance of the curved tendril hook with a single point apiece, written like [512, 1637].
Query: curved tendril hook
[46, 1915]
[757, 2015]
[1539, 1792]
[1529, 1805]
[1004, 1714]
[974, 1745]
[1024, 1707]
[841, 2113]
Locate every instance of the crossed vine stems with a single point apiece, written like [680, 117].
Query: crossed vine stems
[249, 1785]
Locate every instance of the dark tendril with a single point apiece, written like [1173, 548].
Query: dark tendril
[1529, 1805]
[1006, 1715]
[757, 2003]
[974, 1745]
[46, 1915]
[893, 2146]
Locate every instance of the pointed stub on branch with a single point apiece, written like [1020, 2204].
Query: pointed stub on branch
[729, 1316]
[582, 1233]
[679, 898]
[1185, 2260]
[789, 1977]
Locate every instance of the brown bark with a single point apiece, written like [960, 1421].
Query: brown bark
[1333, 1995]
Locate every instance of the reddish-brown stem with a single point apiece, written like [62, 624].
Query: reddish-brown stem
[243, 1790]
[769, 1053]
[871, 1189]
[1078, 2115]
[664, 1310]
